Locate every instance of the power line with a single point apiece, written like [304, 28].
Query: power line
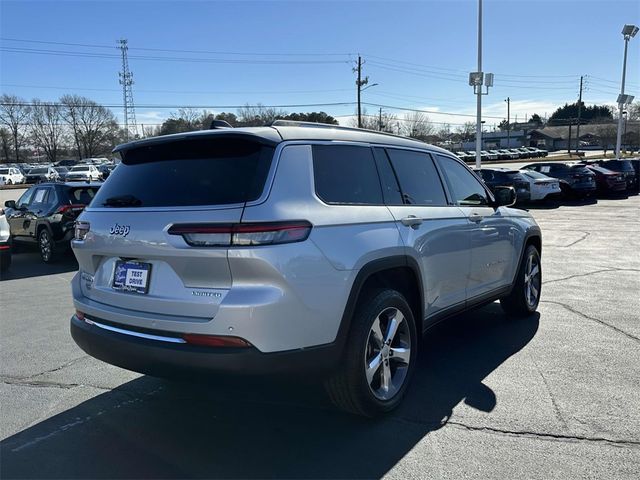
[217, 92]
[174, 50]
[169, 59]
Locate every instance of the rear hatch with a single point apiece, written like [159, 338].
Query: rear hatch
[582, 177]
[135, 262]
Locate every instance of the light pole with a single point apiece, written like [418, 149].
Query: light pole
[476, 80]
[628, 32]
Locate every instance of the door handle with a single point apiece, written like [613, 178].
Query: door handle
[476, 217]
[411, 221]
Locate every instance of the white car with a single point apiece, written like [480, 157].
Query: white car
[87, 173]
[541, 186]
[11, 176]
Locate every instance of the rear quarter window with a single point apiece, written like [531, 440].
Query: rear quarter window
[346, 174]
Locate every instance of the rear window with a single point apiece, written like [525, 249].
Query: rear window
[208, 171]
[4, 171]
[39, 170]
[621, 165]
[82, 195]
[79, 169]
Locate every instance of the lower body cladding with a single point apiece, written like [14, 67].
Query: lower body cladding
[163, 355]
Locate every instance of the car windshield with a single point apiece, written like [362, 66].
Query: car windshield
[623, 165]
[80, 169]
[38, 170]
[60, 169]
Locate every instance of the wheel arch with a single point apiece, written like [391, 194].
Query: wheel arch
[400, 272]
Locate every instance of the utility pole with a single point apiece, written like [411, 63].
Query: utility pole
[126, 80]
[628, 32]
[359, 83]
[380, 120]
[579, 113]
[569, 144]
[508, 100]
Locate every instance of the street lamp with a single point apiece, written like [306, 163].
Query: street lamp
[628, 32]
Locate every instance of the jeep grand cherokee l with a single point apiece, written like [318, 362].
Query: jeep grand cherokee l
[293, 248]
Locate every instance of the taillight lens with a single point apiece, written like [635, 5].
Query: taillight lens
[70, 208]
[242, 234]
[81, 229]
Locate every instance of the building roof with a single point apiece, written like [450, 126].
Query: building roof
[593, 129]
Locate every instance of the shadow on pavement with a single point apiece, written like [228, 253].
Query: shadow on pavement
[265, 429]
[27, 263]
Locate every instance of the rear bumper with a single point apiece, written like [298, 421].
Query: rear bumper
[161, 358]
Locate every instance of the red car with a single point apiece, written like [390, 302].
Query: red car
[608, 181]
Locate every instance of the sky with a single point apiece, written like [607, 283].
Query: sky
[219, 55]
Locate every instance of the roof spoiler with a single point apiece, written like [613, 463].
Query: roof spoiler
[219, 124]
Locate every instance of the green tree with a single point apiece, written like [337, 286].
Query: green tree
[535, 118]
[570, 112]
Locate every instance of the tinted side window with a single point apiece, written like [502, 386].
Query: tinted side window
[418, 177]
[464, 187]
[390, 188]
[346, 174]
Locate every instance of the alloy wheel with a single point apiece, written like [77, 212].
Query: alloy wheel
[532, 282]
[45, 246]
[387, 355]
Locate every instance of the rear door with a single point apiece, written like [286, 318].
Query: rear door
[194, 184]
[493, 249]
[436, 232]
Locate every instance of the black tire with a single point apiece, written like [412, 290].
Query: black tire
[522, 302]
[46, 246]
[349, 388]
[9, 181]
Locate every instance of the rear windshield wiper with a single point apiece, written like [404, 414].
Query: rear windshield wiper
[122, 201]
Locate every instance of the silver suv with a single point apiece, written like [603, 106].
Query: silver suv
[293, 248]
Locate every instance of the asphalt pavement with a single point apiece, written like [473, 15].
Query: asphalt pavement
[556, 395]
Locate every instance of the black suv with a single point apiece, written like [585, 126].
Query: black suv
[45, 215]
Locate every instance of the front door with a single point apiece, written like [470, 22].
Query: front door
[492, 235]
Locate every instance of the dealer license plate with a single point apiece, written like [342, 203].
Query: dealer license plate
[132, 276]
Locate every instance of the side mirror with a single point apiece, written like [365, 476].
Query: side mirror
[505, 196]
[10, 204]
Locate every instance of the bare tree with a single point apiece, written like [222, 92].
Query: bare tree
[5, 138]
[417, 125]
[93, 126]
[607, 135]
[46, 127]
[251, 116]
[467, 131]
[14, 112]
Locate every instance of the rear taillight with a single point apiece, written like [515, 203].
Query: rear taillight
[70, 208]
[80, 230]
[242, 234]
[215, 341]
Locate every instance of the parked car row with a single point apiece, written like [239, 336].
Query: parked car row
[503, 154]
[544, 180]
[66, 170]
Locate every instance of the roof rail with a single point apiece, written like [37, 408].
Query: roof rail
[295, 123]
